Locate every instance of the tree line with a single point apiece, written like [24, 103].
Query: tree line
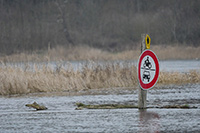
[113, 25]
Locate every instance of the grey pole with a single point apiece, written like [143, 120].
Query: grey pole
[142, 94]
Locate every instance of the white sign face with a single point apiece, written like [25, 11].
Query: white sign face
[147, 69]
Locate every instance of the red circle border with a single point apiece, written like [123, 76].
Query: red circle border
[154, 81]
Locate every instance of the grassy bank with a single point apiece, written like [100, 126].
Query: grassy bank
[88, 53]
[91, 76]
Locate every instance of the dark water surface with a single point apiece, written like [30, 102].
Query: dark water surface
[61, 115]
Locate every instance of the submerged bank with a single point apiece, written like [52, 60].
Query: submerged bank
[91, 76]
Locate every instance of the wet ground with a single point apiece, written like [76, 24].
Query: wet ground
[61, 115]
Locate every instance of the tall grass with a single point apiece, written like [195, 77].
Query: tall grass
[177, 52]
[45, 79]
[179, 78]
[91, 76]
[88, 53]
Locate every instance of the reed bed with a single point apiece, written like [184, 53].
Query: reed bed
[164, 52]
[192, 77]
[92, 76]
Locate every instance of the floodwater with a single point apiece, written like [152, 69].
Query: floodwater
[61, 115]
[166, 65]
[180, 65]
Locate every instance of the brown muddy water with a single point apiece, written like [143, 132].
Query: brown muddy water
[61, 115]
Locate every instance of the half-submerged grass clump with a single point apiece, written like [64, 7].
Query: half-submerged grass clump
[15, 80]
[81, 106]
[36, 106]
[104, 106]
[186, 106]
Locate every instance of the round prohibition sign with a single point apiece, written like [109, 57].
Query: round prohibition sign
[148, 69]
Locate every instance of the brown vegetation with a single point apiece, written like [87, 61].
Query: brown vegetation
[179, 78]
[104, 106]
[88, 53]
[176, 52]
[81, 106]
[36, 106]
[92, 76]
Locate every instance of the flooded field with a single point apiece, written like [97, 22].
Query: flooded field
[167, 65]
[61, 115]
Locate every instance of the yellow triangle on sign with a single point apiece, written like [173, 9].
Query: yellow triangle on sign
[147, 41]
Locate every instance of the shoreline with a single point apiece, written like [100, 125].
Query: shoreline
[101, 91]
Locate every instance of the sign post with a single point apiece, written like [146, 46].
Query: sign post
[142, 94]
[148, 71]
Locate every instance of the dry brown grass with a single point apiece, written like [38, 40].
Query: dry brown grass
[176, 52]
[179, 78]
[88, 53]
[92, 76]
[73, 53]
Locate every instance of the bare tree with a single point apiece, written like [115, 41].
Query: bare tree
[62, 12]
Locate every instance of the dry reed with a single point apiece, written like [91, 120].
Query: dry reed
[176, 52]
[91, 76]
[179, 78]
[88, 53]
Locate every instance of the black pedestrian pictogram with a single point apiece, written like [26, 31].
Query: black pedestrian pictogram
[147, 68]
